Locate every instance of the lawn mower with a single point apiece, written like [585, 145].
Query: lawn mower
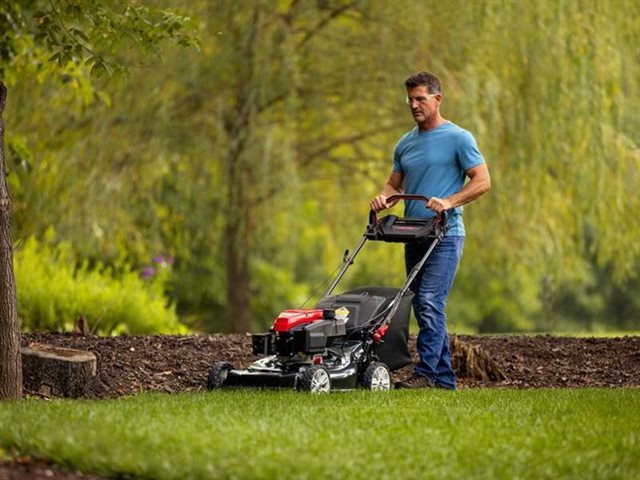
[354, 339]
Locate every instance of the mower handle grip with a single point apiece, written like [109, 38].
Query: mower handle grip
[373, 217]
[402, 196]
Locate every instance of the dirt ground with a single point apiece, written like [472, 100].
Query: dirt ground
[127, 365]
[26, 469]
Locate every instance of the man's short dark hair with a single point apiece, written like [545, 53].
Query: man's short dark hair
[424, 79]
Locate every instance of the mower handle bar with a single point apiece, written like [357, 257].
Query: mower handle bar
[373, 220]
[373, 217]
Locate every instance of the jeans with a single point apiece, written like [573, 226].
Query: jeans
[431, 288]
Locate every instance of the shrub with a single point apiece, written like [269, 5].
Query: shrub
[54, 291]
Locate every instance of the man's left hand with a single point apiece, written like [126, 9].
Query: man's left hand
[439, 205]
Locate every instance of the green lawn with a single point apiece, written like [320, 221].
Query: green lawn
[397, 435]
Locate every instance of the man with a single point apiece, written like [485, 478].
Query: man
[434, 159]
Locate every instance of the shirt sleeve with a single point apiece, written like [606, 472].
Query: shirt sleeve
[469, 155]
[397, 165]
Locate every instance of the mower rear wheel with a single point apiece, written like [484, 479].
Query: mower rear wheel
[315, 379]
[218, 375]
[377, 377]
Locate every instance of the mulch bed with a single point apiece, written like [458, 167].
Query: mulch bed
[128, 365]
[27, 469]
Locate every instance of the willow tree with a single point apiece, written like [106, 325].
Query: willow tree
[73, 39]
[551, 90]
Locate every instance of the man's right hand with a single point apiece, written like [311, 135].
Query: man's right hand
[380, 203]
[392, 187]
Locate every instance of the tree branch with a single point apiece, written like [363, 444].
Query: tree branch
[323, 23]
[313, 156]
[325, 152]
[271, 102]
[288, 16]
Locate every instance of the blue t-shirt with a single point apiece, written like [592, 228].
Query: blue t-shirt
[433, 163]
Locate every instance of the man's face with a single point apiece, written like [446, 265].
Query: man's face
[423, 104]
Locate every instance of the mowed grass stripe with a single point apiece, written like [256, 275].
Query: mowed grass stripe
[409, 434]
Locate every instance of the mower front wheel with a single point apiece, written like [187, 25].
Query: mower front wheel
[218, 375]
[315, 379]
[377, 377]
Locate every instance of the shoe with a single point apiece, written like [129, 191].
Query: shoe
[444, 387]
[416, 381]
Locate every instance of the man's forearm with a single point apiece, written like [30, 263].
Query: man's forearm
[469, 192]
[393, 186]
[479, 183]
[388, 190]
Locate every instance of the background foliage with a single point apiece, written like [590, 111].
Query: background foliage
[251, 160]
[55, 292]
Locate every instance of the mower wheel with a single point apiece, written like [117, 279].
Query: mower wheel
[315, 379]
[377, 377]
[218, 375]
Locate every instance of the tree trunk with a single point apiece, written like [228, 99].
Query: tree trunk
[474, 362]
[238, 276]
[237, 229]
[10, 360]
[58, 372]
[239, 123]
[237, 224]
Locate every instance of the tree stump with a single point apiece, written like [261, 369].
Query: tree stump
[472, 361]
[55, 371]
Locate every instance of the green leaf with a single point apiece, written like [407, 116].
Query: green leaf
[79, 33]
[98, 69]
[91, 60]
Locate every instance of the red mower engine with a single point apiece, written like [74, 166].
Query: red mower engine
[299, 331]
